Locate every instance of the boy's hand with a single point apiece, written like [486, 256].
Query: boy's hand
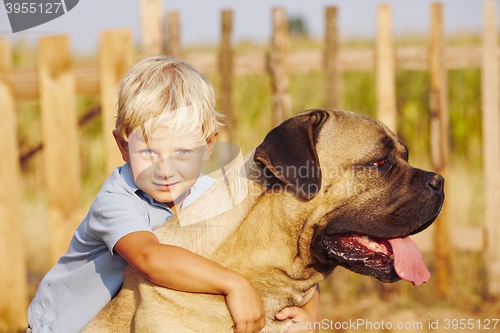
[300, 317]
[245, 305]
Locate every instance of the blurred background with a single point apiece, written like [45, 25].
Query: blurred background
[429, 70]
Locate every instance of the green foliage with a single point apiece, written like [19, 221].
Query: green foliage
[465, 115]
[91, 148]
[252, 105]
[298, 26]
[358, 92]
[414, 114]
[307, 91]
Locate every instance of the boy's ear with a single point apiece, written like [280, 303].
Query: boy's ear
[122, 145]
[209, 147]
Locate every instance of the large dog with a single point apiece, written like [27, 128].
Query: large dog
[325, 188]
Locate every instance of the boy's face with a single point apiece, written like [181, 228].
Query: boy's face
[165, 167]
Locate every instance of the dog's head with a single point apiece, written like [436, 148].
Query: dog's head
[366, 197]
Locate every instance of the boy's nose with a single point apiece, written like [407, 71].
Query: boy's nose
[165, 168]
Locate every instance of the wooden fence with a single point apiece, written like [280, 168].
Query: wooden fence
[56, 81]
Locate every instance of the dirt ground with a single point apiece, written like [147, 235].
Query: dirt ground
[375, 315]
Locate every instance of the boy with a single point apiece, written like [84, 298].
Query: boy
[165, 128]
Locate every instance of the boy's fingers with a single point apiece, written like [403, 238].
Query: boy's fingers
[236, 328]
[252, 327]
[290, 312]
[255, 326]
[262, 322]
[282, 314]
[241, 327]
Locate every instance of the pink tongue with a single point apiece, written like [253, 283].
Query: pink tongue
[409, 261]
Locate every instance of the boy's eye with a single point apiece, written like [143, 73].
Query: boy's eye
[182, 151]
[147, 151]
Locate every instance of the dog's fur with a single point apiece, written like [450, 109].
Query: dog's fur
[313, 177]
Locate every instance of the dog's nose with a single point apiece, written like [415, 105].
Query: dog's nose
[437, 182]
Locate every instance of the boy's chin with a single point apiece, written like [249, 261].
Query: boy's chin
[169, 197]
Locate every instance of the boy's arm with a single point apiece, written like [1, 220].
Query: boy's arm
[177, 268]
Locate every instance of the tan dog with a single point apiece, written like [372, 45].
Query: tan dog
[325, 188]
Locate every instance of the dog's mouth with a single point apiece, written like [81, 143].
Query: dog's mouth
[386, 259]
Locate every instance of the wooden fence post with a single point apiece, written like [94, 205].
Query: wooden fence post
[60, 140]
[440, 144]
[115, 59]
[491, 143]
[13, 280]
[226, 65]
[276, 66]
[173, 35]
[331, 59]
[385, 69]
[385, 85]
[151, 27]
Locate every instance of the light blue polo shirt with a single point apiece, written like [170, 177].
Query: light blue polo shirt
[86, 278]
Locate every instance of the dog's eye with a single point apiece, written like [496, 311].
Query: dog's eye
[379, 163]
[383, 164]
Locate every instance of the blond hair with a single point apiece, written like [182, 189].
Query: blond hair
[161, 91]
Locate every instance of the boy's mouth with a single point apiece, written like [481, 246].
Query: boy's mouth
[164, 186]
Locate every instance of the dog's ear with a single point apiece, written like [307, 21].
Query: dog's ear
[288, 153]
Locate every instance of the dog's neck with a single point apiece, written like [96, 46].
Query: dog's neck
[209, 221]
[237, 206]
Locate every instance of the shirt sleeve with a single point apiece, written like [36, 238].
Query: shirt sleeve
[114, 215]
